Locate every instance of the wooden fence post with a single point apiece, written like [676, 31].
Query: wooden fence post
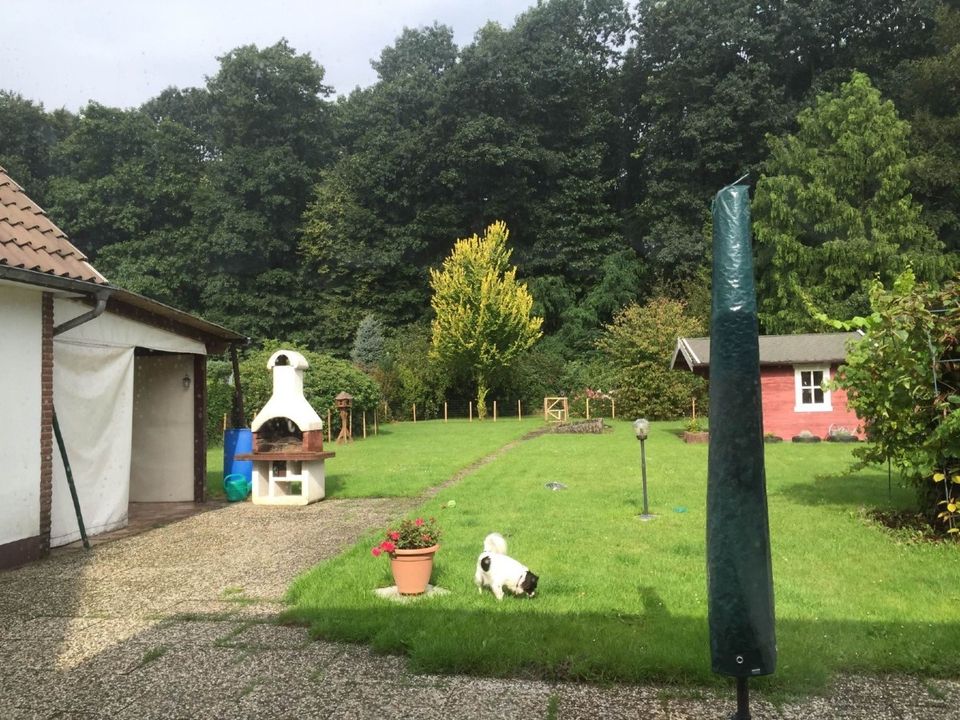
[471, 411]
[588, 408]
[414, 412]
[364, 424]
[494, 410]
[444, 410]
[613, 409]
[519, 414]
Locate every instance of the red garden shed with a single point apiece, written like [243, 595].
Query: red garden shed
[795, 371]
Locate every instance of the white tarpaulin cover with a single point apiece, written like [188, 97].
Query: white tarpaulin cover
[93, 399]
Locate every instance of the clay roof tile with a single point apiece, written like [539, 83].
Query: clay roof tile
[30, 240]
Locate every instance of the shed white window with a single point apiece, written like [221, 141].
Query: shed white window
[810, 388]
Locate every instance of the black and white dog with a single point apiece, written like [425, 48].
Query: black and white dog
[497, 571]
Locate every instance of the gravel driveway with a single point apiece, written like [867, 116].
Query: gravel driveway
[177, 622]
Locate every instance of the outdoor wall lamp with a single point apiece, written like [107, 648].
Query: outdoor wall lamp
[641, 428]
[186, 382]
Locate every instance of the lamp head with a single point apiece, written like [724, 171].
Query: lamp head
[641, 427]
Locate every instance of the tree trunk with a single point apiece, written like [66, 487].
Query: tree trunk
[482, 391]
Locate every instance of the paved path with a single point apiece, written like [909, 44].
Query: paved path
[177, 622]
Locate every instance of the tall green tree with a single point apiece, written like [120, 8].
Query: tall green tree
[28, 138]
[483, 319]
[707, 80]
[270, 137]
[926, 94]
[124, 193]
[378, 218]
[833, 210]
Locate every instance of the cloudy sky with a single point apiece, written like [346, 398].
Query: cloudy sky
[121, 53]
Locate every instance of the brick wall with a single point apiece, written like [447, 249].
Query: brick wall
[46, 422]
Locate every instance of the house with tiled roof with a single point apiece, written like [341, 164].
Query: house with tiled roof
[795, 375]
[119, 377]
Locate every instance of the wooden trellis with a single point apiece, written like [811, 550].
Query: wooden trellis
[555, 409]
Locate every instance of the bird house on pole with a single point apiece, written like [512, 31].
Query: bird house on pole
[344, 403]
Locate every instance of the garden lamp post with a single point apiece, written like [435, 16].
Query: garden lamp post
[641, 428]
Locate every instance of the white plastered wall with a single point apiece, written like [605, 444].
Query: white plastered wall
[20, 394]
[162, 464]
[94, 393]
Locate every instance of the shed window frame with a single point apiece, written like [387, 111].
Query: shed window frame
[806, 391]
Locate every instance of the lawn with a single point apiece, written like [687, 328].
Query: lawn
[403, 459]
[624, 600]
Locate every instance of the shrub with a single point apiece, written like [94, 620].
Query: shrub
[639, 344]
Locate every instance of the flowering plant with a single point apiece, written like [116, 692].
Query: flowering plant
[409, 535]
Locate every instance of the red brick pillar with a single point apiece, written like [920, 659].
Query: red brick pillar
[46, 422]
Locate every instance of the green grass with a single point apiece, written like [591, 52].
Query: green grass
[623, 600]
[403, 459]
[215, 473]
[407, 458]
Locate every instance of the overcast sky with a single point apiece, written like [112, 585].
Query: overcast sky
[121, 53]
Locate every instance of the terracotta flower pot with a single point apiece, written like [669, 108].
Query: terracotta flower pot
[412, 568]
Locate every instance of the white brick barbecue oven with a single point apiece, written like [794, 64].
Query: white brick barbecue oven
[287, 439]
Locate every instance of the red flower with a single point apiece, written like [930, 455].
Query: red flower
[394, 535]
[376, 552]
[418, 522]
[387, 546]
[425, 538]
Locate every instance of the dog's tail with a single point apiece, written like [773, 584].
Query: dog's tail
[495, 543]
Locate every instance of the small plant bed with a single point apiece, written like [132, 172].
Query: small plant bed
[621, 600]
[594, 426]
[907, 526]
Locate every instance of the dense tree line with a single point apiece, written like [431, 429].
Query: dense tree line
[598, 130]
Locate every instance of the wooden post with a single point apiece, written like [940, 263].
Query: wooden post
[613, 409]
[544, 409]
[588, 408]
[519, 414]
[414, 412]
[329, 426]
[693, 408]
[471, 411]
[444, 410]
[364, 424]
[494, 410]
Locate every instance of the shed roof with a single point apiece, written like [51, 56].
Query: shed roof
[807, 348]
[29, 240]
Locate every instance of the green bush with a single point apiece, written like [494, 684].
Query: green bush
[639, 344]
[407, 375]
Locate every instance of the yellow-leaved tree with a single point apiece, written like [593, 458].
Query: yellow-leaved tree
[482, 314]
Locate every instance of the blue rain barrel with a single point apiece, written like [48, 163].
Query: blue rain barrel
[237, 441]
